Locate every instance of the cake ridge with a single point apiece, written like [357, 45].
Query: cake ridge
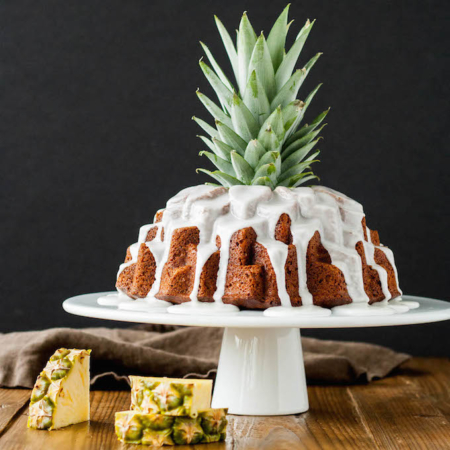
[221, 212]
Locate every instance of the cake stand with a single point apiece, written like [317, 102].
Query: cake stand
[261, 369]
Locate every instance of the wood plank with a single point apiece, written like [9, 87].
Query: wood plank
[11, 402]
[254, 433]
[278, 437]
[408, 410]
[290, 432]
[97, 434]
[401, 415]
[433, 376]
[335, 420]
[104, 406]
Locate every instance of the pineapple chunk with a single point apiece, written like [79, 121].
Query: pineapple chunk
[60, 396]
[133, 427]
[170, 396]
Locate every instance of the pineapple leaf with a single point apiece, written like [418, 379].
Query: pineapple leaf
[305, 179]
[306, 129]
[275, 123]
[223, 150]
[243, 121]
[245, 44]
[228, 136]
[208, 142]
[267, 170]
[269, 140]
[311, 96]
[255, 98]
[229, 47]
[287, 66]
[263, 181]
[221, 164]
[310, 64]
[223, 178]
[223, 93]
[298, 156]
[254, 152]
[216, 67]
[242, 168]
[267, 158]
[299, 118]
[271, 158]
[206, 127]
[277, 38]
[297, 180]
[291, 112]
[300, 142]
[289, 91]
[214, 110]
[261, 63]
[299, 168]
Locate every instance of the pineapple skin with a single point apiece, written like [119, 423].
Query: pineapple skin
[133, 427]
[49, 388]
[171, 397]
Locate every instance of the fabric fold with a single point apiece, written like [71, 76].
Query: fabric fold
[171, 351]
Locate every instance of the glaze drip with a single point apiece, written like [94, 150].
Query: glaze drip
[221, 212]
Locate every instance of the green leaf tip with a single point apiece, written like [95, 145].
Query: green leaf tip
[259, 137]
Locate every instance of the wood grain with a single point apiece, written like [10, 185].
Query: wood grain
[11, 402]
[409, 410]
[431, 375]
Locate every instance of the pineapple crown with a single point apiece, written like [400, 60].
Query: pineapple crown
[257, 139]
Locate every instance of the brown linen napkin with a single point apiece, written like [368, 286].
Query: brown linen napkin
[161, 350]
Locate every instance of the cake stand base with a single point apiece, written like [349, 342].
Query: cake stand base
[261, 372]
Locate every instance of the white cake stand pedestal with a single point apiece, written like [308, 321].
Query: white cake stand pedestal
[261, 369]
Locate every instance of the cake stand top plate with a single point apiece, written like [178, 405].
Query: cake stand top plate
[430, 310]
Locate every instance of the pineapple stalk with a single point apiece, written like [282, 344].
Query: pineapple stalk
[61, 394]
[257, 139]
[133, 427]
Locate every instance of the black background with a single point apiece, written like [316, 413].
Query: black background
[96, 101]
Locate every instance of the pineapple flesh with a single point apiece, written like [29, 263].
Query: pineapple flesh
[257, 138]
[170, 396]
[60, 396]
[134, 427]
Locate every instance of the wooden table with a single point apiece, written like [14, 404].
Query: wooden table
[410, 409]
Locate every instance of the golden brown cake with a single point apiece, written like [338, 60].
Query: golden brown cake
[256, 248]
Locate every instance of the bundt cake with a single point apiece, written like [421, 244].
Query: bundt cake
[255, 248]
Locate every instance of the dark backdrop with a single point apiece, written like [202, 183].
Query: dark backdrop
[96, 102]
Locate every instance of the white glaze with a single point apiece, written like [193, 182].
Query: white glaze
[363, 309]
[122, 301]
[112, 299]
[146, 305]
[217, 211]
[410, 304]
